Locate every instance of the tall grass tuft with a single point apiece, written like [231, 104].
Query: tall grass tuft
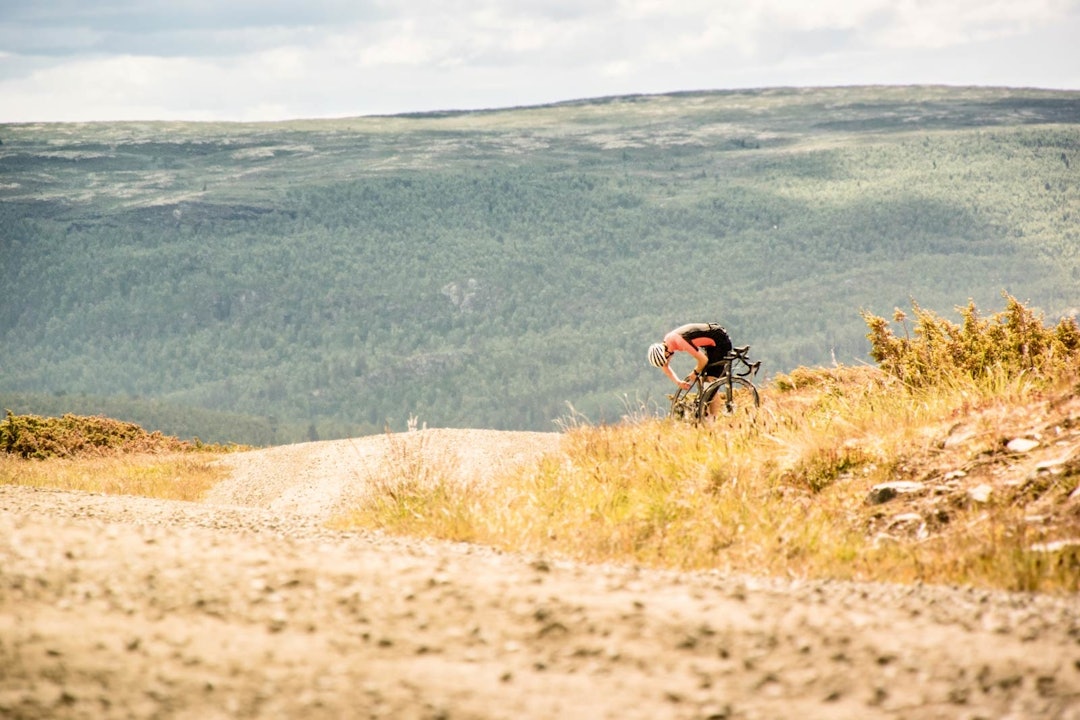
[414, 490]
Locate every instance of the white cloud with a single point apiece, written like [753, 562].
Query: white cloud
[237, 59]
[398, 43]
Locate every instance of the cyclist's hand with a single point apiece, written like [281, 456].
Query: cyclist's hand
[684, 385]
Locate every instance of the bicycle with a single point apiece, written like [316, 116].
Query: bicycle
[731, 392]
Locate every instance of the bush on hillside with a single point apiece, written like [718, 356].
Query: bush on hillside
[1014, 341]
[31, 436]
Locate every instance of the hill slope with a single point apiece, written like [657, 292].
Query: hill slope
[484, 269]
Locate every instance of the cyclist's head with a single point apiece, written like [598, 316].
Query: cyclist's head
[658, 355]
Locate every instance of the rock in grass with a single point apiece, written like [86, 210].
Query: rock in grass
[1022, 445]
[885, 492]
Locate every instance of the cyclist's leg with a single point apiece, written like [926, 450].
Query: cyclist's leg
[722, 348]
[722, 398]
[712, 400]
[741, 396]
[717, 365]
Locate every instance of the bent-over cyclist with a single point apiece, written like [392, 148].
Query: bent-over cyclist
[707, 343]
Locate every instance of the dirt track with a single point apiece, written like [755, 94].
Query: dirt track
[244, 606]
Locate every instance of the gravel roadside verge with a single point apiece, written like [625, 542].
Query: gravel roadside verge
[122, 607]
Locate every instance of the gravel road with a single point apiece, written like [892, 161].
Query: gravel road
[245, 606]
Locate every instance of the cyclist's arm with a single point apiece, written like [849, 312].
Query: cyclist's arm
[676, 342]
[671, 374]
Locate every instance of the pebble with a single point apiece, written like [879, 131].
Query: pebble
[1022, 445]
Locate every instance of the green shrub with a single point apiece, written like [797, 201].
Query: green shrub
[31, 436]
[1012, 342]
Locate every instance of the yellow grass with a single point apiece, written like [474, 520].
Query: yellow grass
[782, 493]
[171, 476]
[413, 490]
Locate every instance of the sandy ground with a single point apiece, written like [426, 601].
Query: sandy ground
[245, 606]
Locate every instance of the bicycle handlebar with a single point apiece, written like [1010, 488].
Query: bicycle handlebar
[740, 353]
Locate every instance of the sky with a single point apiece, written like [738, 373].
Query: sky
[261, 60]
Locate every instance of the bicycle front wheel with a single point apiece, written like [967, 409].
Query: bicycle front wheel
[725, 397]
[683, 406]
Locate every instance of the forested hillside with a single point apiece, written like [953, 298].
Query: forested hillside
[315, 279]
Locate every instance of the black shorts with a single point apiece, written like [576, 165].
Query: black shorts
[716, 354]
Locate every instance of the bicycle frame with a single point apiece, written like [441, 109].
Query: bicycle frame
[684, 403]
[693, 403]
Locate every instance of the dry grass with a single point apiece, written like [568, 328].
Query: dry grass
[171, 476]
[784, 493]
[415, 490]
[104, 455]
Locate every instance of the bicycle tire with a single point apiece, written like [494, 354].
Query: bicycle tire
[683, 406]
[739, 396]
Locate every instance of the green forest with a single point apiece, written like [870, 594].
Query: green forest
[267, 283]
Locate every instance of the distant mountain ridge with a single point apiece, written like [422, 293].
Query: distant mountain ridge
[507, 268]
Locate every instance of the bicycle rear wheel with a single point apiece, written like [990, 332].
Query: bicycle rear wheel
[721, 398]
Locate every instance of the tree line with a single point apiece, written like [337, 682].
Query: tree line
[352, 274]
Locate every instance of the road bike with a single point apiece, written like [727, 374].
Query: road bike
[731, 392]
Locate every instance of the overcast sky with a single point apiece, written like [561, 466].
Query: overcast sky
[76, 60]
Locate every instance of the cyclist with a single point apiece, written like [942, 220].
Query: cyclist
[707, 343]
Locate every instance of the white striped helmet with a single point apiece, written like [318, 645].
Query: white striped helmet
[658, 355]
